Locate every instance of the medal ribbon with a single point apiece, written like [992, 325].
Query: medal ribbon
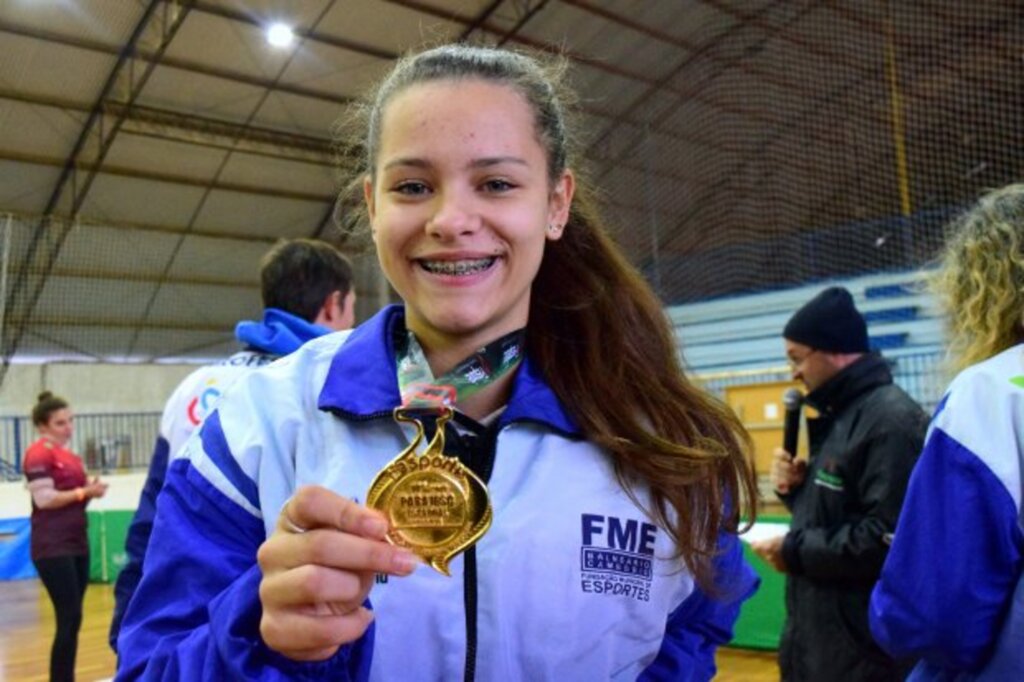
[420, 388]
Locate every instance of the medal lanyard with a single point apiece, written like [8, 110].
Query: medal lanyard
[420, 388]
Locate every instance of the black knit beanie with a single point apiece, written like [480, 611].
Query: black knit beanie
[829, 322]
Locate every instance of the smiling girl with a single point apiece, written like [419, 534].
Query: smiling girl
[614, 485]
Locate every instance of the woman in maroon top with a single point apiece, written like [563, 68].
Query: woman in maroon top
[60, 547]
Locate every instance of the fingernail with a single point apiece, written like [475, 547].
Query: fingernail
[374, 526]
[404, 562]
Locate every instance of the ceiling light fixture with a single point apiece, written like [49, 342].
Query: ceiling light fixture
[280, 35]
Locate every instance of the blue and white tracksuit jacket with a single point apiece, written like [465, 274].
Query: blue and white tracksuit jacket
[573, 581]
[952, 589]
[277, 334]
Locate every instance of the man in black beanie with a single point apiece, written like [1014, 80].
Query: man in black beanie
[845, 499]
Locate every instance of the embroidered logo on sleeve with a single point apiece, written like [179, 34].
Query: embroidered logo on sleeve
[617, 556]
[828, 480]
[1017, 381]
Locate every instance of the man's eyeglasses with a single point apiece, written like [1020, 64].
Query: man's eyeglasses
[794, 363]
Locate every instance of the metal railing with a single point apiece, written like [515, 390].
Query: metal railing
[923, 376]
[920, 375]
[106, 442]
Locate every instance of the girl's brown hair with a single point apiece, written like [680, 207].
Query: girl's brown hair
[46, 404]
[599, 335]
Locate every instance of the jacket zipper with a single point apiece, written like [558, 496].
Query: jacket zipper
[481, 460]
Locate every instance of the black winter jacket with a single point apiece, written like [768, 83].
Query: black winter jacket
[863, 447]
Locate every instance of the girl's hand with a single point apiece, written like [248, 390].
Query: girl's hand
[318, 568]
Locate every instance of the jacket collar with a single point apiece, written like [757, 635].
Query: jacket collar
[864, 374]
[278, 333]
[362, 381]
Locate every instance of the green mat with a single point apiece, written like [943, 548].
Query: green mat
[762, 616]
[107, 531]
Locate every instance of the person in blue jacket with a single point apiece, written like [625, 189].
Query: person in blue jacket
[952, 588]
[616, 486]
[307, 291]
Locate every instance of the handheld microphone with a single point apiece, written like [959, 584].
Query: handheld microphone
[793, 400]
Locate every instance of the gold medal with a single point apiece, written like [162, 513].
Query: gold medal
[435, 505]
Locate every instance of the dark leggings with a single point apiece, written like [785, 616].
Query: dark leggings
[65, 578]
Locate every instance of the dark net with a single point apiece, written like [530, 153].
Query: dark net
[806, 140]
[740, 145]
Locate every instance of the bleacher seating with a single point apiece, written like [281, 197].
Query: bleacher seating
[742, 335]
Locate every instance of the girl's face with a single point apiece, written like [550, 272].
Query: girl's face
[461, 207]
[59, 427]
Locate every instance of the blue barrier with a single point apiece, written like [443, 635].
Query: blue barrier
[15, 560]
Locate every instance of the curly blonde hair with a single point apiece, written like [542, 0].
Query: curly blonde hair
[981, 279]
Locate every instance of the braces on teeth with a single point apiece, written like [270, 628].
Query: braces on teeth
[457, 267]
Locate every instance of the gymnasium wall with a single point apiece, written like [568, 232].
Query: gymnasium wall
[92, 387]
